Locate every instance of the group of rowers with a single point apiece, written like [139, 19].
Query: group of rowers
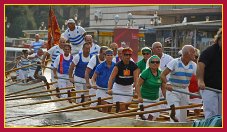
[110, 71]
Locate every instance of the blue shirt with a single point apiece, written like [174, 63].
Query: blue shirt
[103, 74]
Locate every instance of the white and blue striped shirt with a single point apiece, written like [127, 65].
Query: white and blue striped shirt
[35, 59]
[180, 74]
[36, 45]
[75, 37]
[24, 62]
[54, 52]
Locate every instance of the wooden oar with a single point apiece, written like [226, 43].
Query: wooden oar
[50, 101]
[212, 89]
[45, 95]
[32, 88]
[188, 93]
[81, 104]
[31, 93]
[147, 106]
[54, 112]
[14, 83]
[15, 69]
[130, 95]
[127, 114]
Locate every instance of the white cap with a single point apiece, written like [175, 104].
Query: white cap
[70, 21]
[180, 53]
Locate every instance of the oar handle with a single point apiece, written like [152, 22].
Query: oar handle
[30, 89]
[80, 104]
[132, 114]
[15, 69]
[31, 93]
[212, 89]
[38, 96]
[191, 94]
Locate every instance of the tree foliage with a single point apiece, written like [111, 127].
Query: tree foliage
[30, 17]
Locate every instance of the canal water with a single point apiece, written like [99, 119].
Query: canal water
[28, 110]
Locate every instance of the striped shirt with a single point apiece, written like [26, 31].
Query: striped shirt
[180, 75]
[76, 36]
[34, 60]
[36, 45]
[24, 62]
[54, 52]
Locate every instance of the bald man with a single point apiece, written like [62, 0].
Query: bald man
[180, 70]
[37, 44]
[94, 50]
[114, 47]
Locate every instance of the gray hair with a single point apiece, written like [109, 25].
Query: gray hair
[155, 43]
[186, 48]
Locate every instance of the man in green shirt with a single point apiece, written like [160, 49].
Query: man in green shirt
[146, 51]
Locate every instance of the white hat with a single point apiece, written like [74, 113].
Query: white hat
[70, 21]
[180, 53]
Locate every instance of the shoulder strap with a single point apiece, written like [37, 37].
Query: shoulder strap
[61, 63]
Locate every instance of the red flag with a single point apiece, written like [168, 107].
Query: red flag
[54, 31]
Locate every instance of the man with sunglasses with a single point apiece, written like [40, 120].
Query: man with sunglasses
[146, 51]
[180, 70]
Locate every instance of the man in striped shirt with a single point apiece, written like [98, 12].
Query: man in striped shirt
[53, 52]
[180, 70]
[37, 44]
[75, 35]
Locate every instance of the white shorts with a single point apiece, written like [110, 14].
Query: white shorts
[155, 115]
[117, 88]
[79, 86]
[103, 94]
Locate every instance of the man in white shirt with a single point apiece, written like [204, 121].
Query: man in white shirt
[61, 68]
[93, 63]
[53, 52]
[80, 62]
[181, 71]
[157, 49]
[94, 47]
[75, 35]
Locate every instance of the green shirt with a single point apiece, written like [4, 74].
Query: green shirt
[141, 65]
[150, 88]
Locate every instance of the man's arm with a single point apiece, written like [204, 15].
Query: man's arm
[164, 79]
[45, 55]
[87, 73]
[71, 68]
[112, 77]
[200, 75]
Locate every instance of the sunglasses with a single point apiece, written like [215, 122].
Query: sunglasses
[146, 53]
[108, 54]
[127, 54]
[157, 62]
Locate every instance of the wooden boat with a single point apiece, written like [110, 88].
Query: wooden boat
[115, 122]
[75, 116]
